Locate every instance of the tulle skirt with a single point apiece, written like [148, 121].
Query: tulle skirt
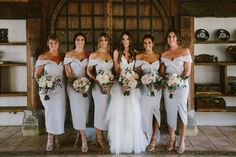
[125, 131]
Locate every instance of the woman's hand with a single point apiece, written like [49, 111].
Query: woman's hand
[158, 87]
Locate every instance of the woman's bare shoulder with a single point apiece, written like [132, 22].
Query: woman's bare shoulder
[43, 56]
[93, 55]
[69, 53]
[185, 51]
[139, 56]
[164, 53]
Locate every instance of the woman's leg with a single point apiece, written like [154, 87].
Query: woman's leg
[57, 142]
[49, 146]
[172, 139]
[101, 141]
[84, 141]
[155, 127]
[182, 132]
[77, 140]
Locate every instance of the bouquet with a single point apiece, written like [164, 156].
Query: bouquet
[105, 79]
[151, 80]
[173, 82]
[82, 85]
[48, 83]
[128, 80]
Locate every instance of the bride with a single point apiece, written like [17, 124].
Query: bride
[124, 115]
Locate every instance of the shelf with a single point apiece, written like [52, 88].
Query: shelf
[231, 108]
[13, 109]
[214, 95]
[216, 63]
[215, 42]
[13, 43]
[9, 64]
[12, 94]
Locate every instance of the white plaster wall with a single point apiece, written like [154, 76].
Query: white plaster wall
[13, 78]
[16, 29]
[215, 118]
[210, 74]
[11, 119]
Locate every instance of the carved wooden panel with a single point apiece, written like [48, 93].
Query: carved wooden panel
[33, 50]
[186, 30]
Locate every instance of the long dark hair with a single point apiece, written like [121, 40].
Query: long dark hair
[122, 48]
[106, 36]
[79, 34]
[176, 33]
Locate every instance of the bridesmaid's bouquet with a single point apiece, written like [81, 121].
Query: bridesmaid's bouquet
[47, 83]
[105, 79]
[128, 80]
[173, 82]
[152, 80]
[82, 85]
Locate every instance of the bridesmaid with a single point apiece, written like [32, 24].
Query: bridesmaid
[100, 60]
[75, 63]
[176, 60]
[50, 62]
[150, 105]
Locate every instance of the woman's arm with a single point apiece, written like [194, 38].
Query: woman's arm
[39, 69]
[89, 70]
[68, 70]
[187, 65]
[116, 62]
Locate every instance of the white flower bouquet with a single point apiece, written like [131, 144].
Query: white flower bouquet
[152, 80]
[128, 80]
[105, 79]
[173, 82]
[47, 83]
[82, 85]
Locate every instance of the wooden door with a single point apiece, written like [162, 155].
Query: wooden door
[136, 16]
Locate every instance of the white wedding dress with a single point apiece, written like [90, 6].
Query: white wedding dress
[125, 131]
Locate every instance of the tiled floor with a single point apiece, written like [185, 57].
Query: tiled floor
[210, 142]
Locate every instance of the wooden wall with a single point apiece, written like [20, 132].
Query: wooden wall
[41, 11]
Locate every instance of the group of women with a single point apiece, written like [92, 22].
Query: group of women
[128, 119]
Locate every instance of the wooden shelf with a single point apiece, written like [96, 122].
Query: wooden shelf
[212, 110]
[9, 64]
[216, 42]
[13, 108]
[231, 108]
[214, 95]
[13, 43]
[12, 94]
[217, 63]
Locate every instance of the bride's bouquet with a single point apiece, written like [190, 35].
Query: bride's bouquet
[128, 80]
[47, 83]
[173, 82]
[105, 79]
[152, 80]
[82, 85]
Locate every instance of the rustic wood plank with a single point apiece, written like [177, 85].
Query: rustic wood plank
[32, 143]
[201, 142]
[8, 132]
[1, 128]
[220, 141]
[13, 142]
[229, 132]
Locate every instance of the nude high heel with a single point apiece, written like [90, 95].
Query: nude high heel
[101, 140]
[84, 147]
[57, 142]
[181, 148]
[77, 140]
[171, 145]
[152, 145]
[49, 146]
